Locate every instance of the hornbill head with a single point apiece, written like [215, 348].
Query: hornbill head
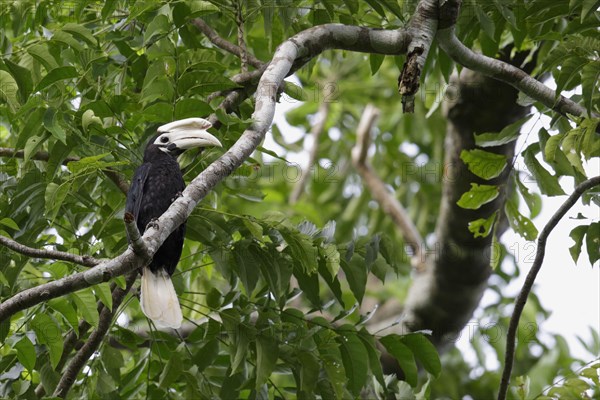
[176, 137]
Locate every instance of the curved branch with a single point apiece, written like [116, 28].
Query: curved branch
[86, 261]
[296, 51]
[497, 69]
[91, 345]
[530, 279]
[226, 45]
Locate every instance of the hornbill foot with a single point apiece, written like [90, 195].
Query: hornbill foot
[177, 195]
[153, 224]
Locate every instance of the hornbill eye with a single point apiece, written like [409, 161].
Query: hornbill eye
[164, 139]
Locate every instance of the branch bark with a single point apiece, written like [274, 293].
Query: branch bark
[316, 131]
[86, 261]
[530, 279]
[226, 45]
[390, 205]
[92, 343]
[498, 69]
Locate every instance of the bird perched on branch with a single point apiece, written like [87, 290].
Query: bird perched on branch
[156, 184]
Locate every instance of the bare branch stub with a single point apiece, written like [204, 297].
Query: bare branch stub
[408, 81]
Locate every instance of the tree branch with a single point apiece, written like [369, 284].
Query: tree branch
[96, 337]
[316, 131]
[226, 45]
[498, 69]
[530, 279]
[422, 29]
[390, 205]
[86, 261]
[296, 51]
[113, 175]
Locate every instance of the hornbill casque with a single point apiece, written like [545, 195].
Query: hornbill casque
[155, 185]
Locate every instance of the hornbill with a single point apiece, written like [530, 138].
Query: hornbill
[156, 184]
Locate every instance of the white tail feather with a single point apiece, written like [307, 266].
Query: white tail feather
[159, 300]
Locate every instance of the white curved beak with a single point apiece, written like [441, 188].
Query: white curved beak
[189, 133]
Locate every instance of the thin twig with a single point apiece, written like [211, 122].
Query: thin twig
[134, 237]
[91, 345]
[390, 205]
[221, 43]
[86, 261]
[113, 175]
[239, 20]
[316, 130]
[535, 268]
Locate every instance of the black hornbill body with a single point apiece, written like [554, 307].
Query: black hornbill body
[155, 185]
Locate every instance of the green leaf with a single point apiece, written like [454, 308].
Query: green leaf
[54, 197]
[159, 88]
[509, 134]
[356, 275]
[206, 355]
[188, 108]
[10, 223]
[51, 123]
[267, 353]
[482, 227]
[171, 371]
[533, 200]
[592, 242]
[484, 164]
[48, 333]
[590, 75]
[577, 234]
[424, 352]
[477, 196]
[81, 32]
[375, 60]
[40, 53]
[552, 146]
[55, 75]
[393, 344]
[26, 353]
[521, 224]
[203, 83]
[9, 90]
[294, 91]
[22, 77]
[159, 26]
[61, 305]
[102, 291]
[354, 357]
[374, 355]
[571, 146]
[547, 183]
[86, 304]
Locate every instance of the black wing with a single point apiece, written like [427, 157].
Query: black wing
[136, 191]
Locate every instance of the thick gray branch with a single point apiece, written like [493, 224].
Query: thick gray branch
[86, 261]
[295, 51]
[498, 69]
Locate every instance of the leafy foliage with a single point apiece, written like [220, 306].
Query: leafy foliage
[275, 294]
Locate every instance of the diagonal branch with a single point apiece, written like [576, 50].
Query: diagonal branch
[316, 131]
[91, 345]
[226, 45]
[530, 279]
[113, 175]
[291, 54]
[86, 261]
[390, 205]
